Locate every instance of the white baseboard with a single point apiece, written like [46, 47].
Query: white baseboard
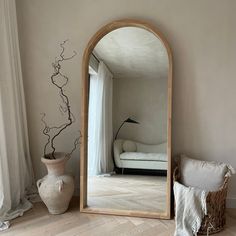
[231, 202]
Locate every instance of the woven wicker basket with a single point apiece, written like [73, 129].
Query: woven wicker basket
[215, 219]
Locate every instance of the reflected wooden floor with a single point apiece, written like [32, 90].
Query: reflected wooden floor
[128, 192]
[38, 222]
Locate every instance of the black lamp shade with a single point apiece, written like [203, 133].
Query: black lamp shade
[129, 120]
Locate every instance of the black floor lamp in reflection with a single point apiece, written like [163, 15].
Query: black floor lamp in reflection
[129, 120]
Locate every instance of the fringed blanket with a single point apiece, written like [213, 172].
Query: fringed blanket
[190, 209]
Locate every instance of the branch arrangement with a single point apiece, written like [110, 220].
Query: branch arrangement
[59, 80]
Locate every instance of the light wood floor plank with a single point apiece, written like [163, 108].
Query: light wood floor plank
[38, 222]
[128, 192]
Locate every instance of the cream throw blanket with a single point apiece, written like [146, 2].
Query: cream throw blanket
[4, 225]
[189, 210]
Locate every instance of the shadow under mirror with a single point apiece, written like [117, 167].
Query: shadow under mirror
[127, 122]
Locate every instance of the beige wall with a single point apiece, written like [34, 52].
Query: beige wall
[144, 100]
[202, 36]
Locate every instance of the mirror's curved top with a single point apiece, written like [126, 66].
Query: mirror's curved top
[132, 52]
[120, 24]
[134, 44]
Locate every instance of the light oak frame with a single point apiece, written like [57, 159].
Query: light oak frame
[84, 121]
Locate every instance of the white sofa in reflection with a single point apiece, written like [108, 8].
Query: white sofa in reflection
[135, 155]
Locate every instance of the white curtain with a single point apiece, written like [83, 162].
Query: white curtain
[100, 122]
[16, 175]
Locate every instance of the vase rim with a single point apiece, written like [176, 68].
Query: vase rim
[62, 156]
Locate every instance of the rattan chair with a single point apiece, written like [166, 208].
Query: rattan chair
[215, 219]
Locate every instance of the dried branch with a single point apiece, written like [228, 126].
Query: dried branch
[46, 130]
[76, 142]
[65, 109]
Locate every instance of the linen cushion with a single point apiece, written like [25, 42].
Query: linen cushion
[129, 146]
[205, 175]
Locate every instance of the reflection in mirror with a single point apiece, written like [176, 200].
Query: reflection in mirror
[127, 122]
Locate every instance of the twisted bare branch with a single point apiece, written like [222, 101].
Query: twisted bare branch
[46, 130]
[65, 109]
[76, 142]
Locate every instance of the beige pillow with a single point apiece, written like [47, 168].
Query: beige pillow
[129, 146]
[205, 175]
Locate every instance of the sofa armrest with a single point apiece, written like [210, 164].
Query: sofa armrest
[118, 149]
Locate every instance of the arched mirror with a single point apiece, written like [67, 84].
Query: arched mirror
[126, 122]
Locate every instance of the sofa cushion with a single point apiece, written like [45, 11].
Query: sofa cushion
[138, 156]
[205, 175]
[152, 148]
[129, 146]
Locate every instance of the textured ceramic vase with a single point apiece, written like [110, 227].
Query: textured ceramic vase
[56, 188]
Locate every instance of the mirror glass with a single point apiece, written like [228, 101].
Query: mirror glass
[127, 122]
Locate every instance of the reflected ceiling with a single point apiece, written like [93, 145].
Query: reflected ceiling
[132, 52]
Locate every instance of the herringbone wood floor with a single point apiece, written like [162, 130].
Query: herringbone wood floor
[128, 192]
[37, 222]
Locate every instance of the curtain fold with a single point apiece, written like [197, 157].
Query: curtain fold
[16, 174]
[100, 132]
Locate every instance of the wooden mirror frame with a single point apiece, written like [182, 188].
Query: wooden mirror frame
[84, 122]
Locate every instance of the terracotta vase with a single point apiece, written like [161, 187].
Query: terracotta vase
[56, 188]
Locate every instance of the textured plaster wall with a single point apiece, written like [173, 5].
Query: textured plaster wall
[202, 36]
[144, 100]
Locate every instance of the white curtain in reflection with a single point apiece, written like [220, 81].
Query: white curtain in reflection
[100, 133]
[16, 175]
